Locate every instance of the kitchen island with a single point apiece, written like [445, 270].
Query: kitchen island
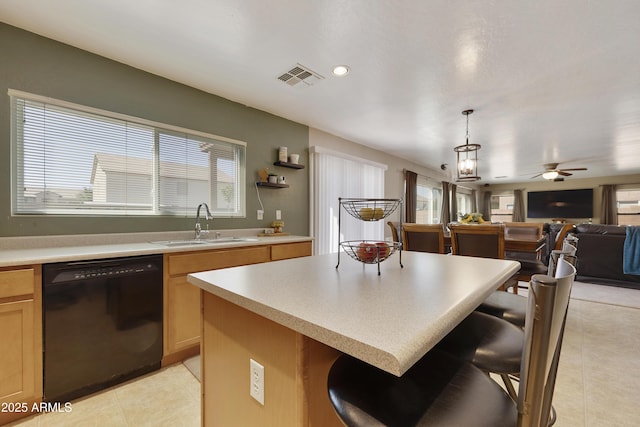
[294, 317]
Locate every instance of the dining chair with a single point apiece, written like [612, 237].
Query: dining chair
[523, 230]
[479, 240]
[443, 390]
[423, 237]
[566, 229]
[395, 234]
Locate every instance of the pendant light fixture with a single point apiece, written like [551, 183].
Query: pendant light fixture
[467, 157]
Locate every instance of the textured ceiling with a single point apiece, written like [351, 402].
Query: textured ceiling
[550, 81]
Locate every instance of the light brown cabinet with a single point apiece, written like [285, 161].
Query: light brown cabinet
[21, 338]
[182, 300]
[290, 250]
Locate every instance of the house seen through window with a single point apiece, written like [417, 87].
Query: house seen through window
[71, 159]
[502, 208]
[628, 201]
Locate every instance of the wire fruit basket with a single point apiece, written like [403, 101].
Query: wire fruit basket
[370, 209]
[369, 251]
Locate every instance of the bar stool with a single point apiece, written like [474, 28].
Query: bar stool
[442, 390]
[513, 308]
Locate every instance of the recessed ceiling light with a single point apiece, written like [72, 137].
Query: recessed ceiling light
[341, 70]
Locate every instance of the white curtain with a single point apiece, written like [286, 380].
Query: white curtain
[336, 175]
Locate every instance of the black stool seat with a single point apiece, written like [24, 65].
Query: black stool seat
[507, 306]
[491, 344]
[429, 394]
[529, 268]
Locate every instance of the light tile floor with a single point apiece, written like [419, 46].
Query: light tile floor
[168, 397]
[597, 380]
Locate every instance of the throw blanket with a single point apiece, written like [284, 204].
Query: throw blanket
[631, 255]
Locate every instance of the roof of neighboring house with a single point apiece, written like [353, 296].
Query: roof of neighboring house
[117, 163]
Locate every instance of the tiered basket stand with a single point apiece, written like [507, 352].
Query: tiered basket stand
[366, 251]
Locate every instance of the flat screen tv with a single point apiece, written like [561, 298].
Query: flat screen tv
[560, 204]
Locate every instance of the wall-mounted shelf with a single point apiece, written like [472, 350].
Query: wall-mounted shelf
[289, 165]
[271, 185]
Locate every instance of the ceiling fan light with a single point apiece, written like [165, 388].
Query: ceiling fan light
[550, 175]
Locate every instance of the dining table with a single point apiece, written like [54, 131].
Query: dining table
[295, 317]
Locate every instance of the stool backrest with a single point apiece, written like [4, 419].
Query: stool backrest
[546, 317]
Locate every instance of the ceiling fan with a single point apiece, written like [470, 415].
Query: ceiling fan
[551, 171]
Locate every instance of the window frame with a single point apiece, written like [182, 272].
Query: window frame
[502, 217]
[435, 189]
[464, 194]
[635, 216]
[151, 208]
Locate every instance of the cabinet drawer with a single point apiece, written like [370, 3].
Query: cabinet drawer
[212, 260]
[16, 282]
[290, 250]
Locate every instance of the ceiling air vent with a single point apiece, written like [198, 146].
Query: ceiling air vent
[300, 74]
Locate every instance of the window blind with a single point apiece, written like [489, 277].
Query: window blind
[336, 175]
[70, 159]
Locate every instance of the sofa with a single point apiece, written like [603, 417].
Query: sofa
[600, 254]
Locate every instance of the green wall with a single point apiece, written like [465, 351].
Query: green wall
[38, 65]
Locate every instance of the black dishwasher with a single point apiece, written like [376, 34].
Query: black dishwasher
[102, 323]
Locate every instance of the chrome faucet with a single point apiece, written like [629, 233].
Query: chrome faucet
[208, 216]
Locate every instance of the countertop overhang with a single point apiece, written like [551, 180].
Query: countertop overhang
[389, 320]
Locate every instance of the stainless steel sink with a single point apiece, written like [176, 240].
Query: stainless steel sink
[232, 239]
[192, 242]
[181, 242]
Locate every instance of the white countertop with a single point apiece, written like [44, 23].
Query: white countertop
[16, 251]
[389, 321]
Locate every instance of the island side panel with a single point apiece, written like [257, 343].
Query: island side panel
[317, 360]
[231, 336]
[295, 370]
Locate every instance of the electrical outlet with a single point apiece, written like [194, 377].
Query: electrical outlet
[278, 214]
[260, 214]
[256, 372]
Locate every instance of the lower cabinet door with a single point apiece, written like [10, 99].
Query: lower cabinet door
[18, 356]
[183, 315]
